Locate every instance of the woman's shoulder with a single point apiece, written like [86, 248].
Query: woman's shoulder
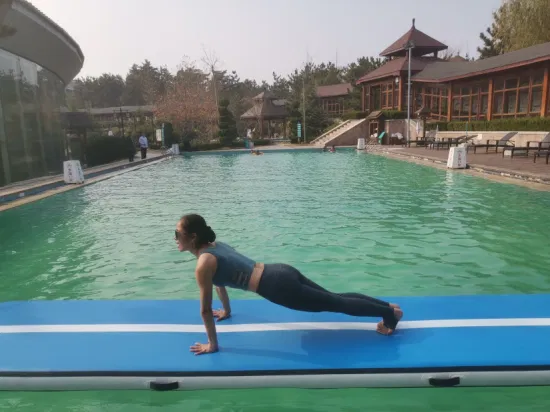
[217, 247]
[223, 245]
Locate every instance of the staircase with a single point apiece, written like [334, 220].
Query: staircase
[338, 132]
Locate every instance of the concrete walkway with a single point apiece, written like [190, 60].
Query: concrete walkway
[516, 170]
[28, 191]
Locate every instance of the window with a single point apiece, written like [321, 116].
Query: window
[384, 96]
[435, 99]
[466, 100]
[31, 135]
[536, 99]
[519, 94]
[333, 106]
[388, 90]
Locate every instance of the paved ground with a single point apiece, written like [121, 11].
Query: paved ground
[520, 166]
[35, 189]
[44, 180]
[518, 171]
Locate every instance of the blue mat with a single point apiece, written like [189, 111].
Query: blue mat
[441, 341]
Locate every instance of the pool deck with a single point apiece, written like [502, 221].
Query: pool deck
[28, 191]
[517, 170]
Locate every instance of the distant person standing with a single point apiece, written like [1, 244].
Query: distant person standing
[143, 145]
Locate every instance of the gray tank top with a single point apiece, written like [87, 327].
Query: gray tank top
[233, 269]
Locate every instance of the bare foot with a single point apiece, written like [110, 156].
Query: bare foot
[395, 305]
[382, 329]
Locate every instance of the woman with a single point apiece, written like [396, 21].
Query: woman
[220, 265]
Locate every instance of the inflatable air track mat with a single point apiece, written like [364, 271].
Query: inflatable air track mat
[125, 344]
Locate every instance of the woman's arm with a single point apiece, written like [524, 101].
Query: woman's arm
[224, 297]
[206, 267]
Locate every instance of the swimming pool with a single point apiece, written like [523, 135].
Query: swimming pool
[351, 221]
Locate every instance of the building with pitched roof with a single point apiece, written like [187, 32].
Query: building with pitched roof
[510, 85]
[334, 98]
[266, 109]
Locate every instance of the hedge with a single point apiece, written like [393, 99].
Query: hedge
[394, 114]
[107, 149]
[353, 115]
[527, 124]
[217, 146]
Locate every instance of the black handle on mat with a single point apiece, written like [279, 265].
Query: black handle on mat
[164, 386]
[444, 382]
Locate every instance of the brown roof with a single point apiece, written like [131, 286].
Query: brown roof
[446, 71]
[458, 59]
[266, 106]
[423, 44]
[72, 120]
[333, 90]
[265, 95]
[125, 109]
[395, 67]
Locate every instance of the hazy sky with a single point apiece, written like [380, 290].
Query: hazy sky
[257, 37]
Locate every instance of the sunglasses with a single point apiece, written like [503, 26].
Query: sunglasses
[176, 235]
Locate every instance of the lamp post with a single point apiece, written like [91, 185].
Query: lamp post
[121, 119]
[409, 45]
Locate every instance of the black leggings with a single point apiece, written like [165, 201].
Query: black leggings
[286, 286]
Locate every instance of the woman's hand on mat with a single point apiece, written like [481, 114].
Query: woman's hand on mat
[221, 314]
[201, 348]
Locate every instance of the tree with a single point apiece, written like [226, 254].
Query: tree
[227, 125]
[303, 85]
[187, 103]
[490, 46]
[211, 62]
[145, 83]
[517, 24]
[353, 72]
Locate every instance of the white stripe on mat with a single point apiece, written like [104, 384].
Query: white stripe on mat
[266, 327]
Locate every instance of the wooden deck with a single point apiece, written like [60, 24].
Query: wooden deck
[521, 167]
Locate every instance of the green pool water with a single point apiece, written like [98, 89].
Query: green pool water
[351, 221]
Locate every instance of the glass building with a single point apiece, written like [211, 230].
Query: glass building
[37, 60]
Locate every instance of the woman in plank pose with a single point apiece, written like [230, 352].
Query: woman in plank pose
[219, 265]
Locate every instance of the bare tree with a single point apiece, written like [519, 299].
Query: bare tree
[187, 103]
[211, 60]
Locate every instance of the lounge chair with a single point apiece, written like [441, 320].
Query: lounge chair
[451, 141]
[419, 142]
[504, 142]
[543, 149]
[524, 150]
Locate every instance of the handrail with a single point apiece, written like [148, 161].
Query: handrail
[345, 122]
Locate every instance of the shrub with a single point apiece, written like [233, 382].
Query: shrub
[227, 125]
[394, 114]
[354, 114]
[106, 149]
[530, 124]
[261, 142]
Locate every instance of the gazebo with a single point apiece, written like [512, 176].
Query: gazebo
[267, 108]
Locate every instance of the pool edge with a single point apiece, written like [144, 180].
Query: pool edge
[42, 191]
[475, 170]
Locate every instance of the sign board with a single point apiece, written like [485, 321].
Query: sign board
[457, 158]
[72, 172]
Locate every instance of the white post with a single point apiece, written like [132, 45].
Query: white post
[409, 99]
[304, 107]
